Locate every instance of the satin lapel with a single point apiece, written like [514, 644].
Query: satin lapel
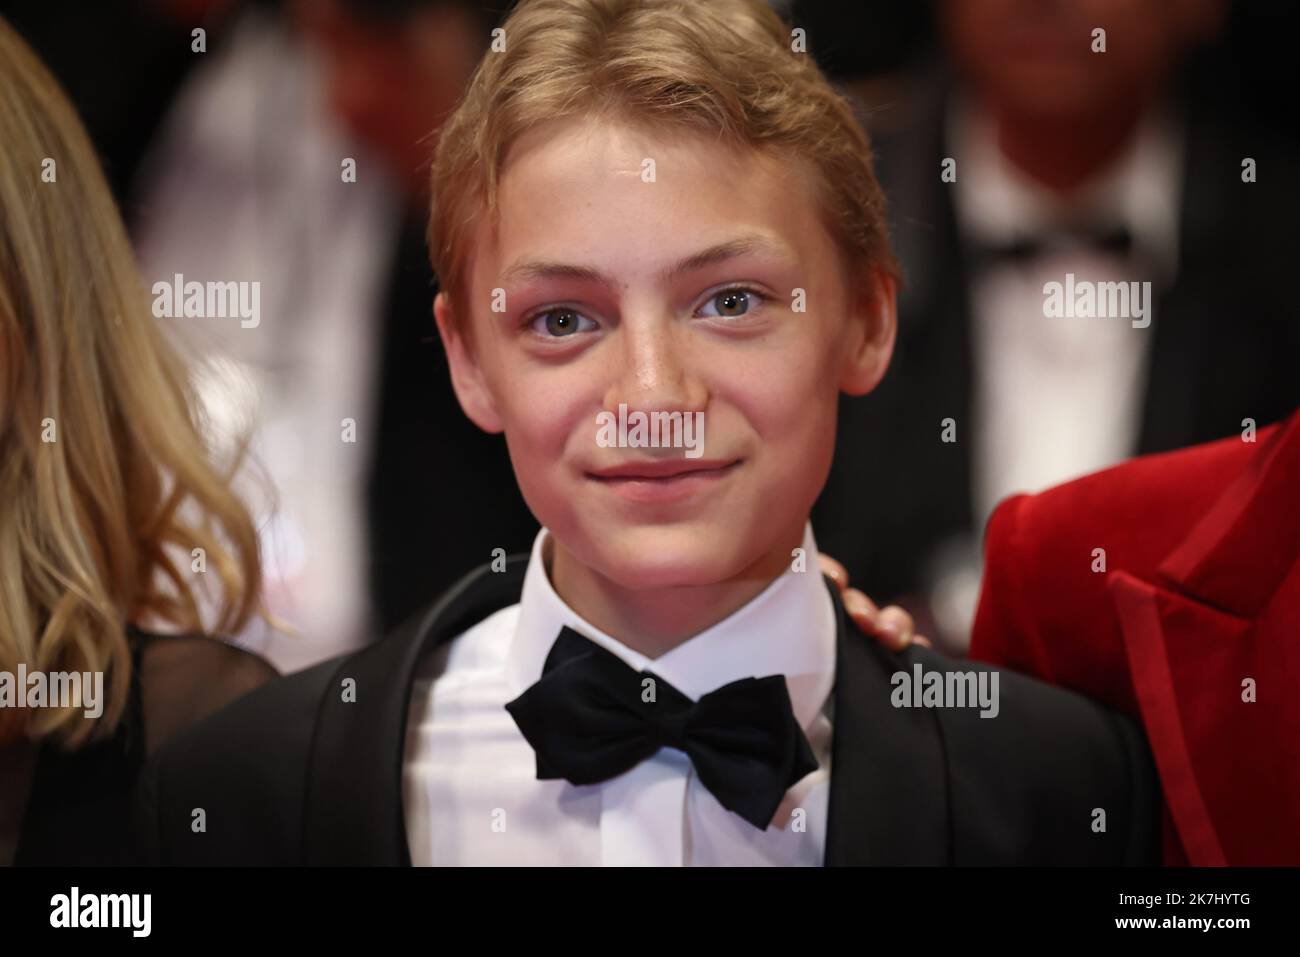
[1139, 607]
[1234, 557]
[353, 812]
[1212, 620]
[889, 787]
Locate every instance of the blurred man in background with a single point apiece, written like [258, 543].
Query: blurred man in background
[1053, 149]
[298, 157]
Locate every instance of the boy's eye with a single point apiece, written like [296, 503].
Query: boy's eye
[735, 302]
[559, 323]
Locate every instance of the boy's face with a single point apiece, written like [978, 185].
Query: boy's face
[631, 321]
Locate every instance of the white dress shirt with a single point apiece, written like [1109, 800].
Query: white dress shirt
[470, 778]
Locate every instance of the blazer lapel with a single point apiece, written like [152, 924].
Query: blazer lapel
[1221, 611]
[353, 811]
[888, 800]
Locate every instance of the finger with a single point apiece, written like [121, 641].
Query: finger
[835, 570]
[898, 624]
[921, 640]
[861, 608]
[866, 616]
[863, 611]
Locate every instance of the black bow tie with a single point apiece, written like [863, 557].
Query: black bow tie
[591, 717]
[1114, 238]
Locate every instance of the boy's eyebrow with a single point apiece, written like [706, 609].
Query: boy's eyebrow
[526, 269]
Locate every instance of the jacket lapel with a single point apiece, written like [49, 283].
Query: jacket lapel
[353, 811]
[1221, 611]
[888, 801]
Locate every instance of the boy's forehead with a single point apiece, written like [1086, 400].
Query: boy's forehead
[583, 188]
[589, 151]
[587, 142]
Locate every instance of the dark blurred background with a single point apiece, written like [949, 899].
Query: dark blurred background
[1123, 165]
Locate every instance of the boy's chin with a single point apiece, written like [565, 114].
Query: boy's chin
[669, 556]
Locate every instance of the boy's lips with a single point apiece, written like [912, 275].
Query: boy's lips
[660, 468]
[663, 480]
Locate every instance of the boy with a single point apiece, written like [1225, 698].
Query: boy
[662, 210]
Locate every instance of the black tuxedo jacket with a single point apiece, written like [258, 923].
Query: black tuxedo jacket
[293, 774]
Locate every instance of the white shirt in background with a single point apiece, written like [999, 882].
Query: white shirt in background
[244, 184]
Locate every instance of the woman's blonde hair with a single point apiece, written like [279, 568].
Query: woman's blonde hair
[725, 69]
[101, 448]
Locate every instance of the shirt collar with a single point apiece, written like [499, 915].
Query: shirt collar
[787, 629]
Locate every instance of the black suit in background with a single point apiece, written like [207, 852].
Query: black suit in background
[441, 494]
[1226, 343]
[294, 774]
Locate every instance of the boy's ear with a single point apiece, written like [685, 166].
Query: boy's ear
[466, 374]
[873, 325]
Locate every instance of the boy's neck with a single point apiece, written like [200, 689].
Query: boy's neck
[654, 621]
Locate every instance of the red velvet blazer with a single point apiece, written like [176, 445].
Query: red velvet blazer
[1198, 606]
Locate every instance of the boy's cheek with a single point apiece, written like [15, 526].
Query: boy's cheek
[784, 407]
[556, 439]
[552, 494]
[797, 441]
[547, 412]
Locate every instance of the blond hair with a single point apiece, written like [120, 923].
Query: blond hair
[724, 69]
[101, 448]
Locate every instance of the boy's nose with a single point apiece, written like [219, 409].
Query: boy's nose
[656, 372]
